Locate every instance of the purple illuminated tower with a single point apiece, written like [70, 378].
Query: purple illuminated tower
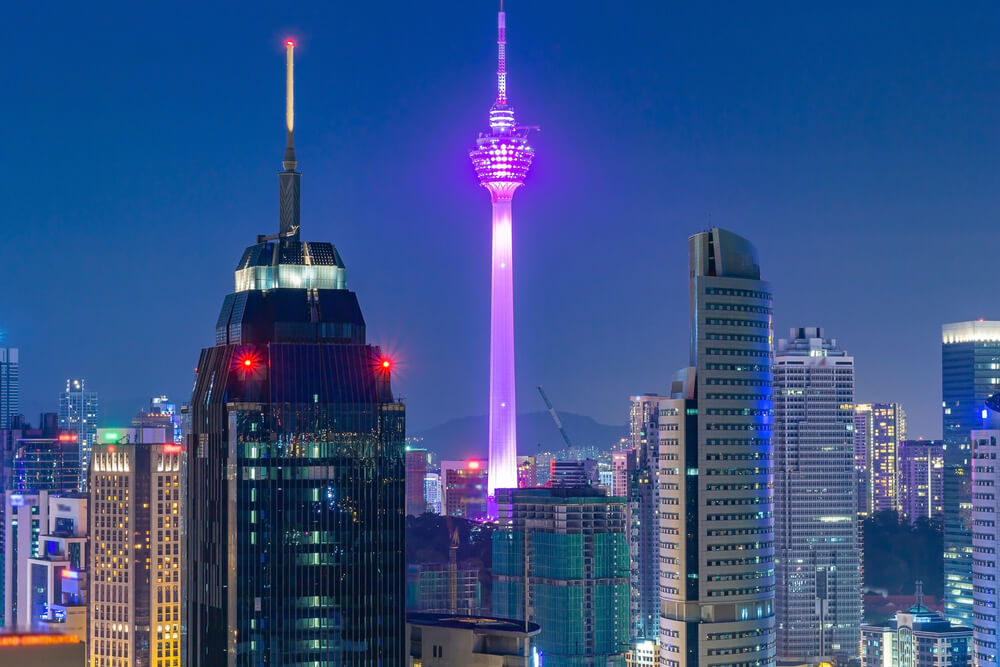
[502, 158]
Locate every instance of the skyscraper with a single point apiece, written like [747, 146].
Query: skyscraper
[10, 385]
[643, 498]
[716, 514]
[502, 158]
[136, 506]
[560, 559]
[921, 479]
[985, 542]
[816, 553]
[78, 413]
[970, 372]
[416, 471]
[881, 427]
[296, 469]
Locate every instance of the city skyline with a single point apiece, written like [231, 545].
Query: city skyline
[761, 146]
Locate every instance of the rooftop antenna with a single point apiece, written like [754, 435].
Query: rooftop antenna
[289, 178]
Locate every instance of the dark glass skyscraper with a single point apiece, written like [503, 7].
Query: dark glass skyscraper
[970, 373]
[296, 468]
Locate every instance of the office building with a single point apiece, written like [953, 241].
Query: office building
[10, 386]
[816, 553]
[921, 479]
[41, 650]
[137, 501]
[78, 414]
[917, 637]
[44, 459]
[58, 577]
[463, 489]
[44, 577]
[446, 640]
[634, 474]
[161, 413]
[985, 540]
[502, 158]
[296, 474]
[416, 472]
[573, 472]
[970, 373]
[432, 492]
[880, 427]
[435, 587]
[560, 559]
[716, 475]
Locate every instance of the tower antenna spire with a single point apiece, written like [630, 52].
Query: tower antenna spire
[501, 56]
[289, 178]
[289, 163]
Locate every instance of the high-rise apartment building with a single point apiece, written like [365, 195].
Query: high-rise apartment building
[137, 501]
[881, 427]
[986, 541]
[921, 479]
[643, 516]
[816, 553]
[970, 373]
[10, 385]
[416, 472]
[432, 492]
[296, 489]
[560, 559]
[78, 414]
[43, 459]
[715, 470]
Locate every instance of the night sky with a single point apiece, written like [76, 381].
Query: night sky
[855, 146]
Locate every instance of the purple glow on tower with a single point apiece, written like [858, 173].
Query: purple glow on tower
[502, 158]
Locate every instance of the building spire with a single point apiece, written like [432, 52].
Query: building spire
[290, 162]
[288, 180]
[501, 56]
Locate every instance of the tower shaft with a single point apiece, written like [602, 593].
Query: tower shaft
[503, 413]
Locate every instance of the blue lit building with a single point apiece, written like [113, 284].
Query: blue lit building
[970, 373]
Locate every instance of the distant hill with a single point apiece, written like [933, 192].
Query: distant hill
[466, 437]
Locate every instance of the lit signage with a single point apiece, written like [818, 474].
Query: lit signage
[16, 500]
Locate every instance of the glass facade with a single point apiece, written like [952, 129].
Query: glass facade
[970, 373]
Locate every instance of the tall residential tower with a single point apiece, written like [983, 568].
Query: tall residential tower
[295, 520]
[715, 469]
[816, 552]
[502, 158]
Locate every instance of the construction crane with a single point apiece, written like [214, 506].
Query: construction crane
[555, 418]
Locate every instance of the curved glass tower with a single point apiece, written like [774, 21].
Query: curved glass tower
[296, 468]
[502, 158]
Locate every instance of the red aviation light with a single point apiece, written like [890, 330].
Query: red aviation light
[474, 465]
[67, 437]
[247, 361]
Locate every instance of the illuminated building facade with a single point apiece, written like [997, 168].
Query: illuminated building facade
[985, 543]
[970, 373]
[643, 497]
[527, 472]
[432, 492]
[921, 479]
[296, 473]
[137, 501]
[882, 426]
[715, 469]
[566, 549]
[10, 386]
[44, 459]
[816, 553]
[463, 488]
[41, 650]
[502, 158]
[78, 414]
[429, 588]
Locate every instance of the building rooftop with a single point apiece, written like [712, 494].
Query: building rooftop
[479, 624]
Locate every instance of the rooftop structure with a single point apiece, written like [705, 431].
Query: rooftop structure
[444, 640]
